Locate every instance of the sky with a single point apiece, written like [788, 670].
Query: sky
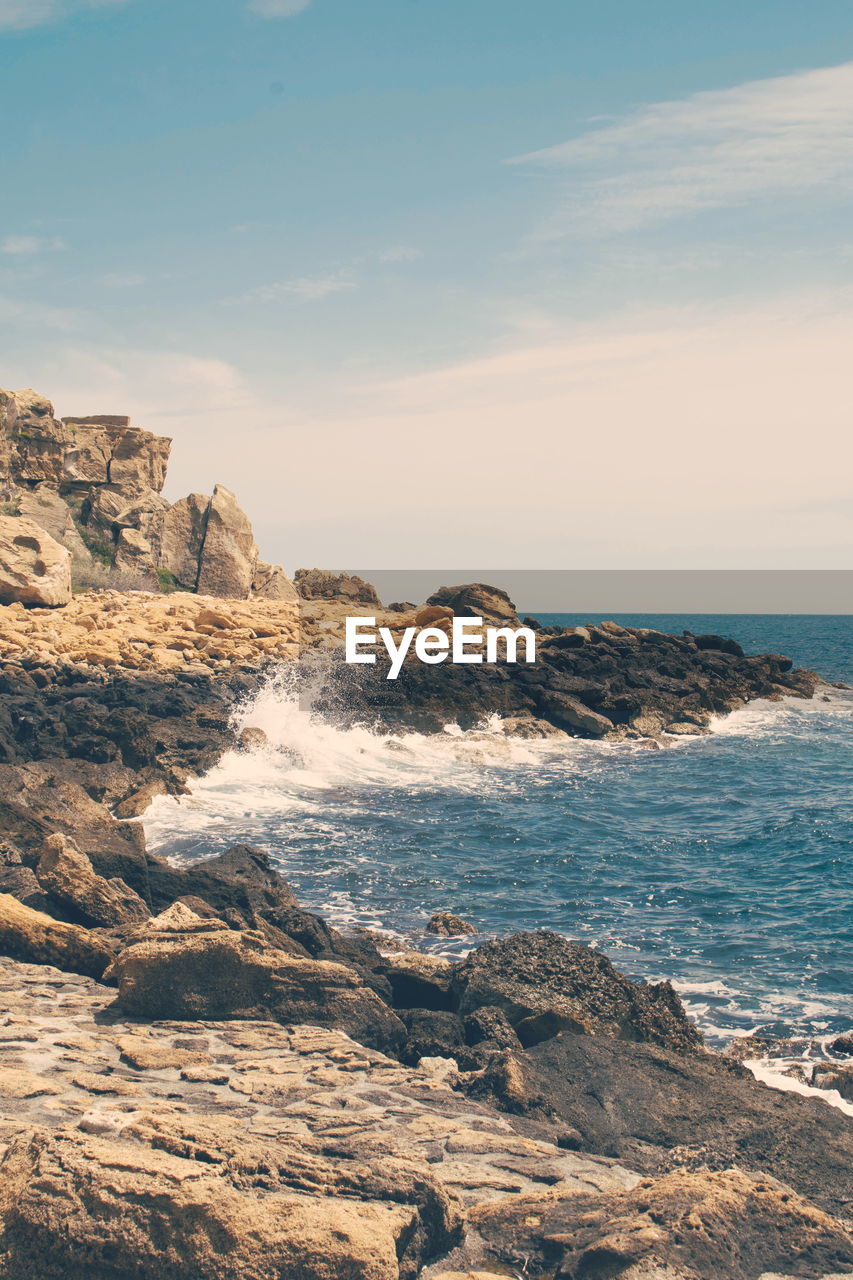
[522, 283]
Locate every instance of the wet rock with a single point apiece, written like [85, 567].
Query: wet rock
[446, 925]
[657, 1110]
[571, 714]
[701, 1225]
[546, 984]
[203, 970]
[720, 644]
[34, 937]
[834, 1076]
[34, 568]
[68, 875]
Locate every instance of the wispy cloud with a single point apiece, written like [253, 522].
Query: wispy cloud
[27, 246]
[38, 316]
[19, 15]
[761, 140]
[278, 8]
[308, 288]
[399, 253]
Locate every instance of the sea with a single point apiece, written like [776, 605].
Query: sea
[723, 863]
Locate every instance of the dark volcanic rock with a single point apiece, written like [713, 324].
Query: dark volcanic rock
[704, 1225]
[594, 682]
[432, 1034]
[446, 925]
[655, 1110]
[546, 984]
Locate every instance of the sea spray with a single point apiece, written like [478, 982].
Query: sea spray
[723, 863]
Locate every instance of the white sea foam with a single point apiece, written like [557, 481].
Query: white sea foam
[771, 1071]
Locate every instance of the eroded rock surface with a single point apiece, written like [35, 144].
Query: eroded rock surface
[34, 568]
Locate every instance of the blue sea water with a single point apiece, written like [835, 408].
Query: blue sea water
[724, 863]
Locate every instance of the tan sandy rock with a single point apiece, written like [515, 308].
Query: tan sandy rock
[69, 876]
[34, 937]
[17, 1083]
[34, 568]
[205, 970]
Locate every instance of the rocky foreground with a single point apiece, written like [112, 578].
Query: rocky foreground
[202, 1079]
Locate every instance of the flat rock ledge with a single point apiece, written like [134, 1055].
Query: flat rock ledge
[244, 1150]
[238, 1149]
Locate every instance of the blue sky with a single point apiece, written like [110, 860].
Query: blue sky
[429, 282]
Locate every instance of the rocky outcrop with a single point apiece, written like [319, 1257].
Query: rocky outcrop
[193, 968]
[36, 938]
[68, 876]
[50, 512]
[692, 1226]
[478, 600]
[546, 984]
[444, 924]
[229, 554]
[184, 1200]
[34, 568]
[657, 1111]
[593, 682]
[96, 482]
[323, 584]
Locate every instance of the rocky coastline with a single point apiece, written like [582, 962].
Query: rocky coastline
[201, 1078]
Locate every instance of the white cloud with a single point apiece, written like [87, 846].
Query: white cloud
[26, 246]
[19, 15]
[308, 288]
[278, 8]
[759, 141]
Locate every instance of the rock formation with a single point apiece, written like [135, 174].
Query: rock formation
[95, 485]
[34, 568]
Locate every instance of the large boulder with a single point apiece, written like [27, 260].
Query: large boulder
[655, 1110]
[186, 1199]
[229, 556]
[478, 600]
[35, 938]
[272, 583]
[37, 442]
[188, 968]
[34, 568]
[182, 538]
[107, 449]
[698, 1225]
[68, 875]
[546, 984]
[345, 588]
[52, 513]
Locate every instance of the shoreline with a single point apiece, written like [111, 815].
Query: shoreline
[493, 1057]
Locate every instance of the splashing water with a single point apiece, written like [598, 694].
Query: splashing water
[722, 863]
